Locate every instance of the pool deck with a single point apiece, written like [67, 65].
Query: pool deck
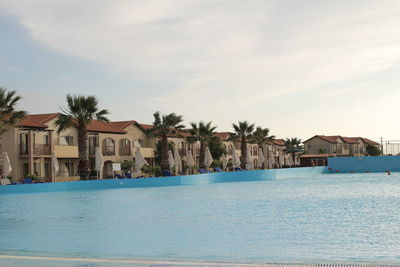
[8, 260]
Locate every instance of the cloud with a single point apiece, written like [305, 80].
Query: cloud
[223, 53]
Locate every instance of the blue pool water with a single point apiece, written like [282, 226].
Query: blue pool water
[326, 218]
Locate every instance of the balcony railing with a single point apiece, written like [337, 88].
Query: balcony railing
[42, 149]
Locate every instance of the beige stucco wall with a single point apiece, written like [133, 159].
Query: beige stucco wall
[313, 146]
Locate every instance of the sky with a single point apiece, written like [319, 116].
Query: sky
[297, 67]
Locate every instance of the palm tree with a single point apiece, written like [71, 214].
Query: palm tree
[9, 116]
[163, 126]
[202, 132]
[293, 145]
[261, 136]
[81, 111]
[243, 131]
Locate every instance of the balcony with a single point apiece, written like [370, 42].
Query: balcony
[63, 151]
[147, 152]
[42, 149]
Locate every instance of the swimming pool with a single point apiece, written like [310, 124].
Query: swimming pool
[325, 218]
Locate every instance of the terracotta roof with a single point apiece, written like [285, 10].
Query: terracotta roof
[43, 118]
[279, 142]
[104, 127]
[223, 135]
[370, 142]
[146, 126]
[39, 120]
[348, 140]
[366, 140]
[28, 122]
[121, 124]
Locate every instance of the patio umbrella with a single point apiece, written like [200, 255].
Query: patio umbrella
[261, 158]
[235, 159]
[290, 160]
[178, 161]
[281, 159]
[271, 159]
[249, 163]
[224, 161]
[55, 164]
[208, 158]
[189, 158]
[139, 160]
[99, 161]
[171, 160]
[6, 165]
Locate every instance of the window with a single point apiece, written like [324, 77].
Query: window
[255, 150]
[108, 147]
[66, 140]
[141, 142]
[46, 170]
[46, 139]
[70, 167]
[69, 140]
[92, 145]
[23, 141]
[124, 147]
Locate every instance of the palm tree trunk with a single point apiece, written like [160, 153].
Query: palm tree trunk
[243, 149]
[294, 158]
[202, 154]
[164, 154]
[83, 166]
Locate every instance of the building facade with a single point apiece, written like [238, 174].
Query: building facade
[338, 145]
[31, 144]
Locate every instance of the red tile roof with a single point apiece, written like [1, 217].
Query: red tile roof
[103, 127]
[370, 142]
[121, 124]
[43, 118]
[39, 120]
[28, 122]
[366, 140]
[348, 140]
[146, 126]
[223, 135]
[278, 142]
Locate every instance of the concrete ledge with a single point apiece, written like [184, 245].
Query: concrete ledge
[364, 164]
[210, 178]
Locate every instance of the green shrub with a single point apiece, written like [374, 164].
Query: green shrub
[216, 163]
[151, 170]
